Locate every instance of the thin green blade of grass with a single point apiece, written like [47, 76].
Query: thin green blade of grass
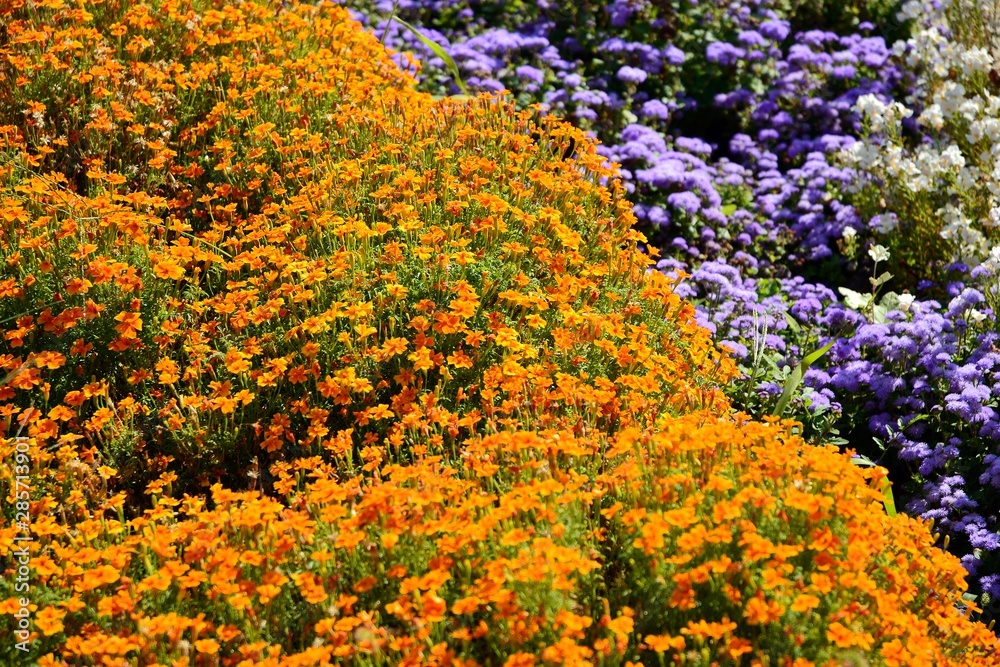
[886, 487]
[795, 379]
[438, 50]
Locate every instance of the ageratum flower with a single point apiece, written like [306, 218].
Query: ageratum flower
[631, 74]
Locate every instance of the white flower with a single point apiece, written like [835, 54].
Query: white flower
[994, 221]
[953, 157]
[885, 223]
[951, 98]
[976, 317]
[869, 105]
[976, 59]
[932, 117]
[966, 179]
[909, 10]
[878, 253]
[971, 109]
[905, 301]
[849, 233]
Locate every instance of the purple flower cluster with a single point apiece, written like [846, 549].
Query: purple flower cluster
[543, 53]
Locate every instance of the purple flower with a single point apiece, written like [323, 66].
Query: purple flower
[693, 145]
[751, 38]
[655, 109]
[529, 73]
[776, 30]
[631, 74]
[723, 53]
[673, 55]
[686, 201]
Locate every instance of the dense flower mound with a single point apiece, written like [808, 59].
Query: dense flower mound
[304, 366]
[770, 145]
[372, 266]
[710, 540]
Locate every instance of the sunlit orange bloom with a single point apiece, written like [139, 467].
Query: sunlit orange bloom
[49, 620]
[168, 270]
[664, 643]
[466, 605]
[759, 611]
[50, 360]
[130, 324]
[804, 603]
[236, 361]
[267, 592]
[209, 646]
[846, 638]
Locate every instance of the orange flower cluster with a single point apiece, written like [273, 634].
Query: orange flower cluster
[709, 542]
[313, 368]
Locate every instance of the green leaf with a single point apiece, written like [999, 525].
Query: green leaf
[437, 50]
[795, 379]
[889, 501]
[878, 314]
[881, 280]
[728, 209]
[855, 300]
[887, 498]
[888, 302]
[793, 324]
[392, 15]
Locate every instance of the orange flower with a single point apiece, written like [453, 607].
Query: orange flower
[846, 638]
[759, 611]
[209, 646]
[664, 643]
[804, 603]
[130, 324]
[49, 620]
[168, 270]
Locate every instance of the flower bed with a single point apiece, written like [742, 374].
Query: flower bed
[303, 366]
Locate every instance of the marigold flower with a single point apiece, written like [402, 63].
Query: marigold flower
[49, 620]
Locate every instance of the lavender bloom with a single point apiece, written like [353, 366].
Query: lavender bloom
[631, 74]
[724, 53]
[685, 201]
[531, 74]
[655, 109]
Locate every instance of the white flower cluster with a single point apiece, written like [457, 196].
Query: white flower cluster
[956, 174]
